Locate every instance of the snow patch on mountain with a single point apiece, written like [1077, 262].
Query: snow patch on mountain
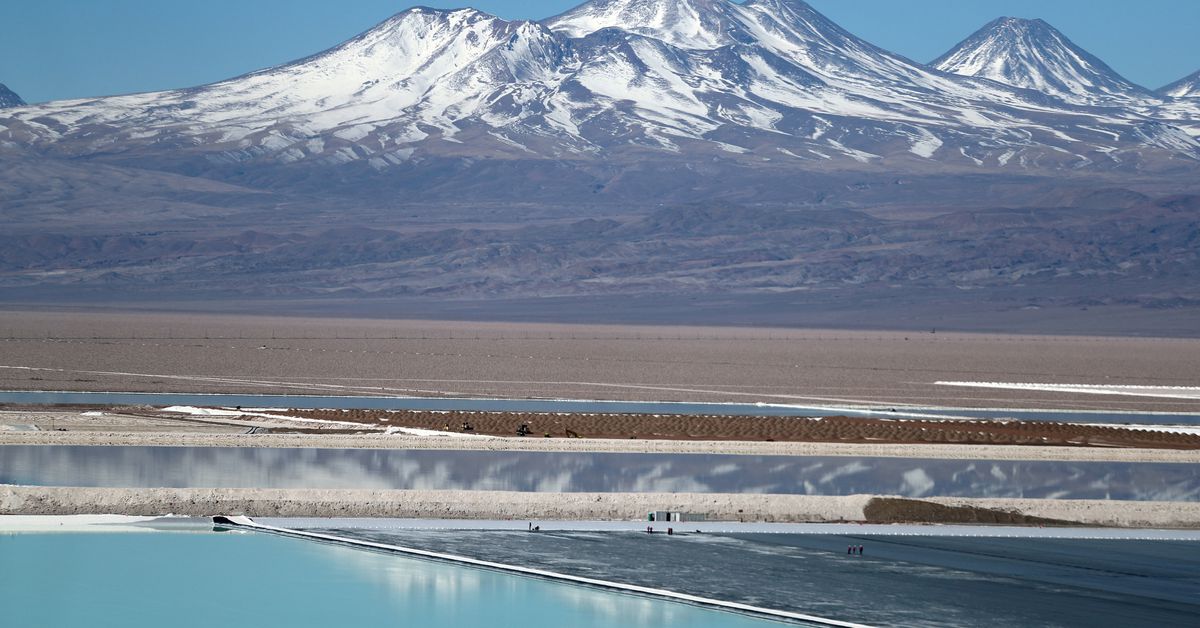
[406, 80]
[1186, 87]
[9, 98]
[677, 76]
[695, 24]
[1031, 54]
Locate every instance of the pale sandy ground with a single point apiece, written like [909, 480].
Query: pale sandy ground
[164, 353]
[755, 448]
[52, 421]
[103, 524]
[164, 430]
[24, 500]
[73, 523]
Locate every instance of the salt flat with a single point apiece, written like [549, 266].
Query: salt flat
[247, 354]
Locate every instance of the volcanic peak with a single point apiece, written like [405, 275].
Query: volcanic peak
[1032, 54]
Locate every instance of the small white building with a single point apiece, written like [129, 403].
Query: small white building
[667, 516]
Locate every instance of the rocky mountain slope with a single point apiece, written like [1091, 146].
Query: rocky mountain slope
[9, 98]
[1186, 87]
[626, 149]
[764, 80]
[1034, 55]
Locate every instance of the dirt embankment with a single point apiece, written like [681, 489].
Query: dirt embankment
[837, 429]
[452, 504]
[900, 510]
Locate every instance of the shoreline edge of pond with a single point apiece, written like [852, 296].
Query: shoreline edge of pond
[632, 507]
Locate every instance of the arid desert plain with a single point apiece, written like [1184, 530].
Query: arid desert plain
[66, 351]
[810, 437]
[898, 387]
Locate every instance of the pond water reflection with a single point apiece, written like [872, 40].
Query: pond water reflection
[211, 579]
[211, 467]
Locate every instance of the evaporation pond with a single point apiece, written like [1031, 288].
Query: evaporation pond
[182, 579]
[566, 472]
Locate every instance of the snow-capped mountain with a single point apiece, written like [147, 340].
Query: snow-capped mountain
[9, 98]
[406, 79]
[683, 23]
[766, 80]
[752, 154]
[1186, 87]
[1034, 55]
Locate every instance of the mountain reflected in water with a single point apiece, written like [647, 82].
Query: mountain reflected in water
[211, 467]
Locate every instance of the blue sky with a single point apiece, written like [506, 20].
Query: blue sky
[52, 49]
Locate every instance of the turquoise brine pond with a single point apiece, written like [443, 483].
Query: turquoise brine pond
[176, 579]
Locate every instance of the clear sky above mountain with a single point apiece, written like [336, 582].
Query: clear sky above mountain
[53, 49]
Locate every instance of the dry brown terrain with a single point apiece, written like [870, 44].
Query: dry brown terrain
[212, 353]
[835, 429]
[71, 425]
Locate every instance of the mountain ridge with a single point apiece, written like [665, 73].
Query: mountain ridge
[755, 161]
[1186, 87]
[9, 98]
[765, 80]
[1032, 54]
